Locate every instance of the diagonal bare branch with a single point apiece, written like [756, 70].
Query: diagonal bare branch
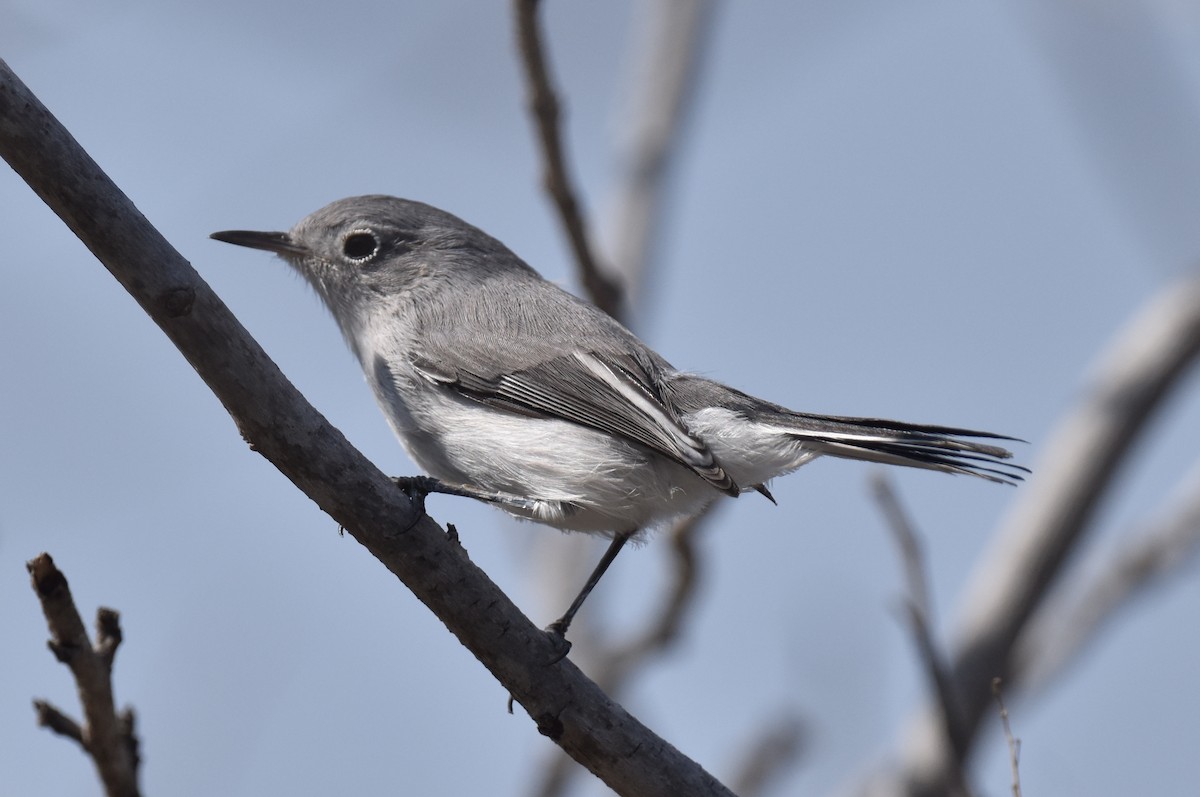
[920, 617]
[1082, 610]
[282, 426]
[1054, 513]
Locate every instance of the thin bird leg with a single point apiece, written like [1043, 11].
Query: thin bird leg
[417, 487]
[559, 626]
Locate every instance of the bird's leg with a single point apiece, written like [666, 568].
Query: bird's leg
[559, 627]
[417, 487]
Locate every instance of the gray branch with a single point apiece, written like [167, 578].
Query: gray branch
[1078, 614]
[1050, 520]
[282, 426]
[604, 291]
[919, 611]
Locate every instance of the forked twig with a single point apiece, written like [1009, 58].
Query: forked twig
[107, 736]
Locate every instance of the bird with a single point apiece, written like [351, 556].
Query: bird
[505, 388]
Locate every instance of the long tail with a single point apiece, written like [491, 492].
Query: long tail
[915, 445]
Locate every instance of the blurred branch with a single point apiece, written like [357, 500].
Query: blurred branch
[907, 541]
[604, 292]
[106, 736]
[777, 748]
[1065, 627]
[281, 425]
[673, 36]
[920, 614]
[1050, 520]
[618, 663]
[778, 744]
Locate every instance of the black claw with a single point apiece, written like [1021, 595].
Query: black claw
[417, 484]
[416, 488]
[762, 489]
[558, 636]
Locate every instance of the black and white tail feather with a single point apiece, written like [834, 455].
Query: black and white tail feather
[941, 448]
[757, 440]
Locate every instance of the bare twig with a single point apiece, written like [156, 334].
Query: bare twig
[282, 426]
[106, 736]
[1063, 629]
[920, 613]
[906, 538]
[604, 292]
[48, 716]
[1014, 744]
[1055, 511]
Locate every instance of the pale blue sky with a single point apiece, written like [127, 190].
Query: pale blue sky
[937, 213]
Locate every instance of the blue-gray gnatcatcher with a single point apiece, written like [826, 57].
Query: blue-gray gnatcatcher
[508, 389]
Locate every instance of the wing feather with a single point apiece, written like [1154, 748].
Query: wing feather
[621, 395]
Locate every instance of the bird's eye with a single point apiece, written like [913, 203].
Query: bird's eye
[360, 245]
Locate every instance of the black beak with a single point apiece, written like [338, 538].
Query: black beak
[278, 242]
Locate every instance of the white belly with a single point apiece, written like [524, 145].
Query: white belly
[581, 479]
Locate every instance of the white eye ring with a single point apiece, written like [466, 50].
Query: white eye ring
[359, 246]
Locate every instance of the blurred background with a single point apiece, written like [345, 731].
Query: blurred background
[936, 212]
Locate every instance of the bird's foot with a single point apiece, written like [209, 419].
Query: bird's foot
[557, 632]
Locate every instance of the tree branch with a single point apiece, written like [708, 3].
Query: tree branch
[1066, 626]
[1054, 513]
[603, 290]
[108, 738]
[919, 612]
[282, 426]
